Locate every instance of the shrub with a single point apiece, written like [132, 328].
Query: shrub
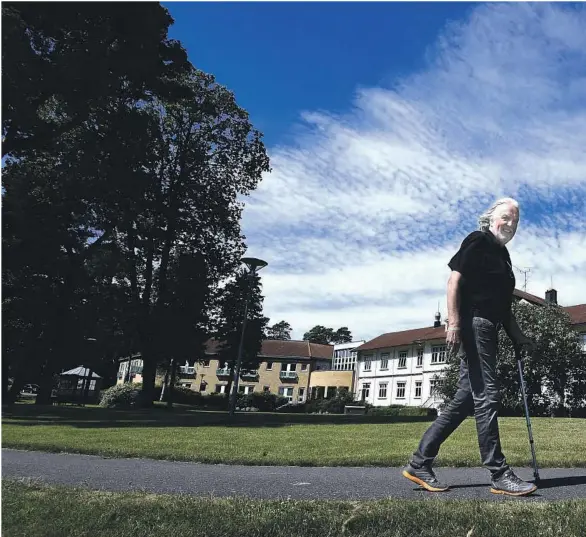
[120, 396]
[264, 401]
[400, 410]
[332, 405]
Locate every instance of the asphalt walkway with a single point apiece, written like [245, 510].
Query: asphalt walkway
[272, 482]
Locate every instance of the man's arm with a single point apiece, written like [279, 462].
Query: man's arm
[514, 332]
[453, 339]
[454, 299]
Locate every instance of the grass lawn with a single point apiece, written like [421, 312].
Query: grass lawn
[35, 510]
[277, 439]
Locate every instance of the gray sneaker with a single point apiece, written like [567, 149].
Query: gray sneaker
[425, 477]
[511, 485]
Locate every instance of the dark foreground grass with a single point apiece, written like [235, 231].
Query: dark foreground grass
[277, 439]
[35, 510]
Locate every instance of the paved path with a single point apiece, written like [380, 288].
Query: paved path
[271, 482]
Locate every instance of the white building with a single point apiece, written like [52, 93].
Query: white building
[404, 367]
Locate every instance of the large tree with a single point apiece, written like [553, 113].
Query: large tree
[281, 330]
[243, 289]
[327, 336]
[64, 63]
[555, 376]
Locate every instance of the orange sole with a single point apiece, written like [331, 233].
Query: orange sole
[422, 483]
[496, 491]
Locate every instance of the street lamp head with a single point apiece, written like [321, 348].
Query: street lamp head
[254, 264]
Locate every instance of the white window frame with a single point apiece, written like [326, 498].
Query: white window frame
[438, 354]
[365, 386]
[418, 387]
[368, 363]
[382, 390]
[304, 367]
[384, 361]
[401, 385]
[419, 358]
[402, 360]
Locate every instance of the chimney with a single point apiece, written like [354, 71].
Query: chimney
[437, 322]
[551, 297]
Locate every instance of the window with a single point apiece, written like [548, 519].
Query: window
[435, 384]
[289, 367]
[402, 360]
[218, 388]
[365, 390]
[401, 390]
[382, 390]
[419, 357]
[438, 354]
[384, 361]
[301, 395]
[303, 367]
[206, 363]
[269, 366]
[185, 384]
[367, 363]
[584, 342]
[286, 392]
[202, 386]
[245, 389]
[266, 389]
[418, 384]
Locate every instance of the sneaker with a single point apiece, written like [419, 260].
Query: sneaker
[424, 477]
[511, 485]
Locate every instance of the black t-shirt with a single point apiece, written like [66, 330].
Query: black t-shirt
[488, 278]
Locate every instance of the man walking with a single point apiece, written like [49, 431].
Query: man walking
[480, 293]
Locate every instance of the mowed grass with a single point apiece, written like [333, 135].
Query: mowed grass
[33, 510]
[275, 439]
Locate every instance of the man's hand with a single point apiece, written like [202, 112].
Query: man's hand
[453, 341]
[526, 344]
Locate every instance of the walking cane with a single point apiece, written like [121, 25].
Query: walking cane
[528, 419]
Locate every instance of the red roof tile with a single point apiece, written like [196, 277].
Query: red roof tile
[406, 337]
[577, 313]
[275, 348]
[529, 297]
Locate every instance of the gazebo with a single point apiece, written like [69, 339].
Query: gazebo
[73, 386]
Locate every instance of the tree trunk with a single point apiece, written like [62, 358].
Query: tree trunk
[171, 392]
[149, 370]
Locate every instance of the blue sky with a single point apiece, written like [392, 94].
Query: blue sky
[390, 128]
[281, 58]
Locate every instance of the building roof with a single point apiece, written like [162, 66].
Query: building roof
[529, 297]
[406, 337]
[577, 313]
[81, 372]
[276, 348]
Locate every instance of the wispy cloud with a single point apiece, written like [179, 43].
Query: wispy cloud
[361, 215]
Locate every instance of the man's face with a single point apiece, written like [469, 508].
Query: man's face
[503, 224]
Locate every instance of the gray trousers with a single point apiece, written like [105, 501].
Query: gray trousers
[477, 390]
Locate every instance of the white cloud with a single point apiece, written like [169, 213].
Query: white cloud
[361, 215]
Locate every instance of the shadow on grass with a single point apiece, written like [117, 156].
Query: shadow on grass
[93, 418]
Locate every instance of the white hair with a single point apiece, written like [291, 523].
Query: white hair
[485, 217]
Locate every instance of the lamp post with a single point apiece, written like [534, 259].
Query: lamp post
[254, 265]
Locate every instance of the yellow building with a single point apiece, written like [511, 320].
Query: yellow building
[285, 369]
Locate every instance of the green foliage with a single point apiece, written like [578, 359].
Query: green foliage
[64, 65]
[332, 405]
[400, 410]
[241, 297]
[555, 375]
[327, 336]
[263, 401]
[123, 396]
[281, 330]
